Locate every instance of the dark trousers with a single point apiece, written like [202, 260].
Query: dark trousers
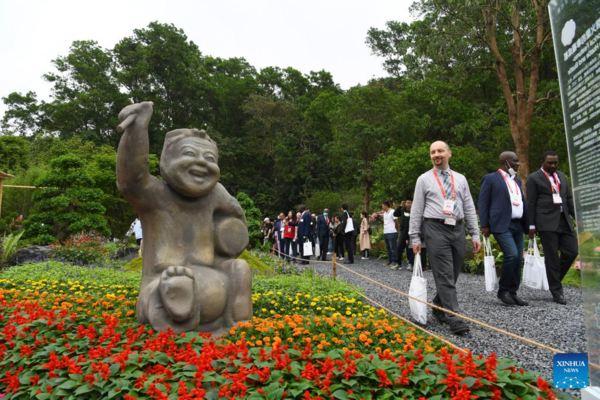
[446, 248]
[290, 248]
[324, 244]
[563, 240]
[339, 245]
[391, 246]
[349, 238]
[511, 244]
[402, 246]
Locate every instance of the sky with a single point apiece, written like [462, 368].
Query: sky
[308, 35]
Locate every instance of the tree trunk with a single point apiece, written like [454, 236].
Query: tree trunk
[521, 102]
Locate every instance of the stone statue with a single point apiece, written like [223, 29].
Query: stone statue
[193, 229]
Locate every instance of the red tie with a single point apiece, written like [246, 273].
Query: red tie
[327, 220]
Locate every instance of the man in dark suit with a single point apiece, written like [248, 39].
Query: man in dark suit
[349, 235]
[503, 212]
[550, 211]
[303, 231]
[322, 233]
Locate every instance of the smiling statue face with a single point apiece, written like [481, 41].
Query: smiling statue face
[191, 167]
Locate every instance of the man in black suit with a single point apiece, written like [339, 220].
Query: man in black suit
[348, 233]
[550, 211]
[323, 233]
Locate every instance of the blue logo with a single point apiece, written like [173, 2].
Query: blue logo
[570, 370]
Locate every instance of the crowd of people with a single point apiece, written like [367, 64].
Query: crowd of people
[433, 219]
[292, 234]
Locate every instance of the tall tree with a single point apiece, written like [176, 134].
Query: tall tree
[504, 36]
[364, 125]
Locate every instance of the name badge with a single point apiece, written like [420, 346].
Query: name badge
[448, 206]
[289, 229]
[407, 214]
[450, 221]
[556, 197]
[515, 199]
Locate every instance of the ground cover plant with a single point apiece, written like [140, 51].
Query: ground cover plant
[68, 331]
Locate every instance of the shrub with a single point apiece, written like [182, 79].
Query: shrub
[10, 244]
[253, 216]
[83, 249]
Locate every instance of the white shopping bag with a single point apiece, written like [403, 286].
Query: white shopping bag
[317, 248]
[349, 224]
[307, 248]
[534, 270]
[489, 264]
[418, 289]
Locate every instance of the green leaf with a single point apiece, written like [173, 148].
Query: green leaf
[70, 384]
[341, 394]
[85, 388]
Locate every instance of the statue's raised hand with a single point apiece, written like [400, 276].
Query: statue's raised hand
[135, 114]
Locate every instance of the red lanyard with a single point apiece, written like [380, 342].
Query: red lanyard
[555, 180]
[507, 184]
[442, 187]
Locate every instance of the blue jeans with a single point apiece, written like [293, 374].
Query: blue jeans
[511, 244]
[391, 245]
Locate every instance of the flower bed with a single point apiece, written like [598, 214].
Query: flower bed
[81, 340]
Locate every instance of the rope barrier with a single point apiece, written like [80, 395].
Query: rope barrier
[464, 317]
[419, 327]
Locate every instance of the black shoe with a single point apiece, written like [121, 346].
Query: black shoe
[458, 327]
[518, 301]
[506, 299]
[560, 299]
[439, 315]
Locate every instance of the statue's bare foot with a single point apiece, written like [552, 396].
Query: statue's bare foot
[176, 290]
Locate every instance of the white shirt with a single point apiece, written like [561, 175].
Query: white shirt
[137, 229]
[554, 188]
[517, 211]
[389, 226]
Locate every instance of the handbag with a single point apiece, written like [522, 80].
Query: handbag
[349, 224]
[307, 248]
[534, 269]
[370, 231]
[418, 289]
[489, 264]
[317, 247]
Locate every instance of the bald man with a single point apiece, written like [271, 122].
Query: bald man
[441, 201]
[503, 213]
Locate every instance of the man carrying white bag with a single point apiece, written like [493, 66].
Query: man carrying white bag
[418, 289]
[504, 213]
[534, 271]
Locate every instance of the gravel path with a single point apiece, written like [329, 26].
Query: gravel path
[543, 321]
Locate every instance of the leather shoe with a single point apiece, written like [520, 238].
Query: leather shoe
[506, 299]
[458, 327]
[518, 301]
[439, 315]
[560, 299]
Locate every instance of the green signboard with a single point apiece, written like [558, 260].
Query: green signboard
[576, 34]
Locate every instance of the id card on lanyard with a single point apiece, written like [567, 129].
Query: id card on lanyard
[515, 197]
[555, 187]
[448, 207]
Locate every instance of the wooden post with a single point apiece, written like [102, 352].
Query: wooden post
[334, 266]
[3, 176]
